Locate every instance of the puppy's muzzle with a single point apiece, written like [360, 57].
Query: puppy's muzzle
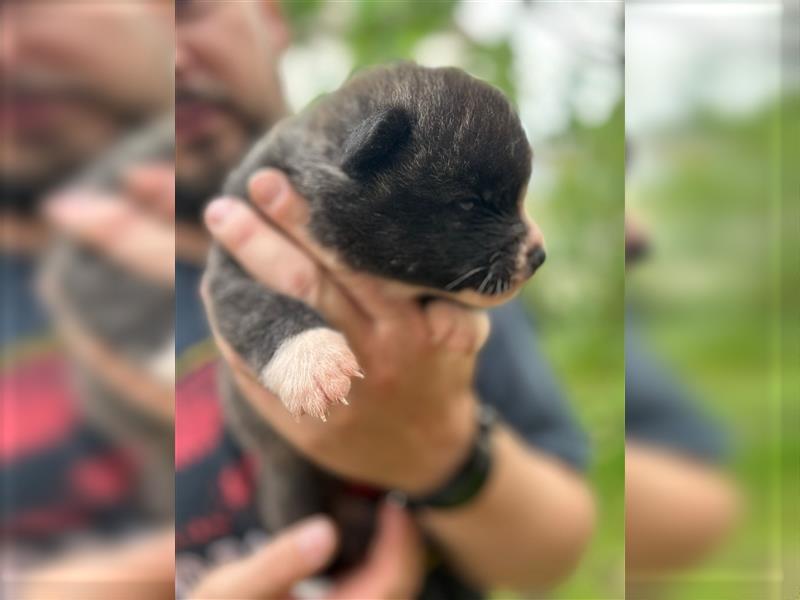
[534, 259]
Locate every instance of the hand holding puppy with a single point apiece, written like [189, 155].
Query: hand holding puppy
[412, 416]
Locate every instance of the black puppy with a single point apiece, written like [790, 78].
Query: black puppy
[412, 174]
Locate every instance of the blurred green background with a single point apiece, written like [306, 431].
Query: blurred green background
[720, 296]
[568, 86]
[714, 128]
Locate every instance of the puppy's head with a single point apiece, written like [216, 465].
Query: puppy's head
[435, 166]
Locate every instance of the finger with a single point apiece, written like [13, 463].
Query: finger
[393, 568]
[271, 191]
[278, 263]
[457, 328]
[272, 571]
[153, 186]
[118, 230]
[262, 251]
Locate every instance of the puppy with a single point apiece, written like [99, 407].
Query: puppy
[412, 174]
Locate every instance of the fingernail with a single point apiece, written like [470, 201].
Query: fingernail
[266, 188]
[217, 210]
[316, 540]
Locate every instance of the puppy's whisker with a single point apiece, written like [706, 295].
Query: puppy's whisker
[486, 280]
[463, 277]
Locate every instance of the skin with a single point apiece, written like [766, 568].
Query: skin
[141, 568]
[677, 512]
[210, 50]
[226, 59]
[231, 49]
[415, 435]
[135, 230]
[60, 46]
[65, 46]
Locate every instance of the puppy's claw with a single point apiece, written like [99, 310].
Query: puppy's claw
[311, 372]
[344, 401]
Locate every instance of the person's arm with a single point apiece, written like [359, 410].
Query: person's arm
[411, 420]
[527, 528]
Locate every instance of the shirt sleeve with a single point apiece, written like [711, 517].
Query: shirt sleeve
[660, 410]
[514, 378]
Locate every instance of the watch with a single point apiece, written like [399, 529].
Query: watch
[470, 477]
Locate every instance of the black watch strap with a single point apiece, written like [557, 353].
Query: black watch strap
[469, 479]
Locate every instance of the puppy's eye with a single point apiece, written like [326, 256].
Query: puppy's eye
[468, 204]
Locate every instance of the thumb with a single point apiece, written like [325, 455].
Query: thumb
[457, 328]
[297, 553]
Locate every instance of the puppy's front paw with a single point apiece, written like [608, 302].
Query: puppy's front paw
[311, 371]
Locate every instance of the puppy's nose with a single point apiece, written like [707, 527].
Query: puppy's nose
[535, 258]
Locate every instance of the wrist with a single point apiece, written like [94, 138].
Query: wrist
[442, 445]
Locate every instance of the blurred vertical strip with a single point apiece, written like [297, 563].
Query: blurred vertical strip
[712, 102]
[789, 228]
[86, 284]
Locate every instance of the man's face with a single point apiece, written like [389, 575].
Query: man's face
[75, 75]
[226, 89]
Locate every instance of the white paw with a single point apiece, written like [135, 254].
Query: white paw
[311, 372]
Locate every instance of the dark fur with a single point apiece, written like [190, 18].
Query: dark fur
[412, 174]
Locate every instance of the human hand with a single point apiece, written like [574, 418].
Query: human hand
[392, 568]
[412, 417]
[134, 228]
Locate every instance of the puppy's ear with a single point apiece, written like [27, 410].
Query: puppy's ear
[375, 142]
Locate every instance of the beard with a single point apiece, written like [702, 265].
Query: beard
[217, 154]
[191, 199]
[192, 194]
[58, 161]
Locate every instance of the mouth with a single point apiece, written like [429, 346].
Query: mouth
[493, 285]
[193, 117]
[491, 291]
[35, 110]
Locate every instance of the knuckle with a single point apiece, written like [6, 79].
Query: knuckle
[239, 232]
[382, 376]
[300, 284]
